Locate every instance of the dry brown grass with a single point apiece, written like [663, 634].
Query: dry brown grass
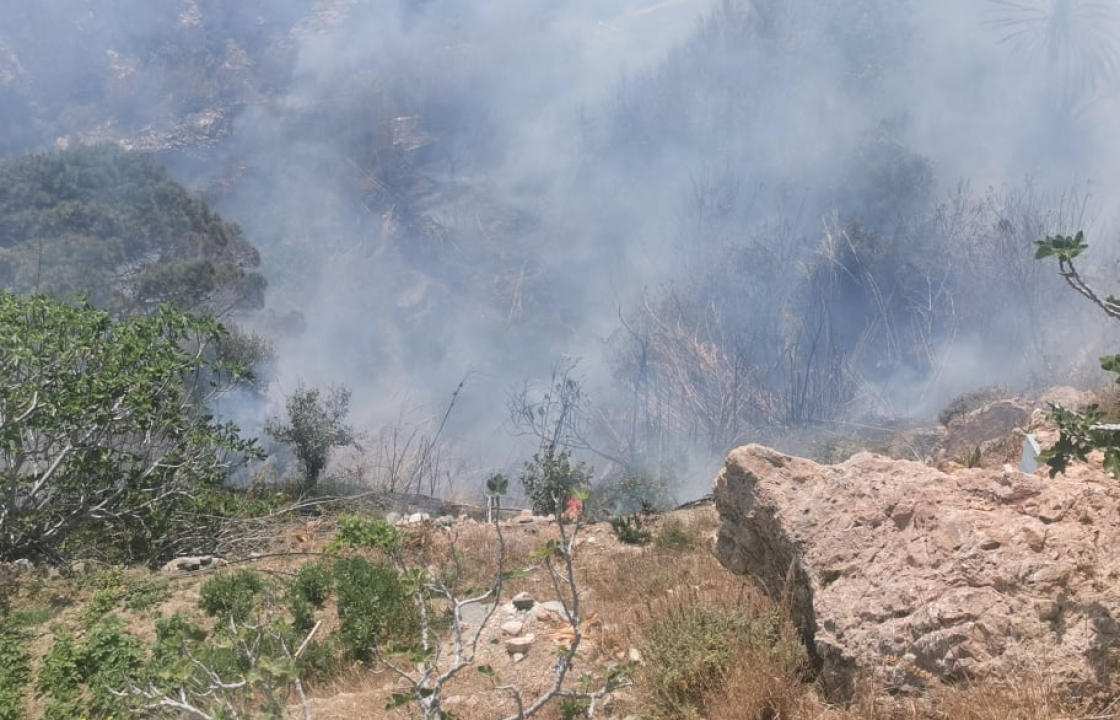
[633, 591]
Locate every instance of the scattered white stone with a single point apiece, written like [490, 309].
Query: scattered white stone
[635, 655]
[193, 563]
[518, 657]
[520, 645]
[513, 627]
[418, 517]
[523, 601]
[392, 517]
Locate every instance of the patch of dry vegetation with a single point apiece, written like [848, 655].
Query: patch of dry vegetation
[706, 643]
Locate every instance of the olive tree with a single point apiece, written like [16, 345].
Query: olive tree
[104, 431]
[316, 424]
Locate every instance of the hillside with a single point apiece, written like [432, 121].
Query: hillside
[697, 641]
[115, 227]
[357, 356]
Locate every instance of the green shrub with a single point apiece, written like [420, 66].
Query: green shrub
[29, 617]
[74, 371]
[374, 606]
[307, 593]
[673, 534]
[15, 671]
[628, 529]
[234, 596]
[111, 661]
[572, 708]
[102, 603]
[313, 584]
[358, 532]
[61, 672]
[64, 710]
[550, 479]
[322, 659]
[188, 660]
[146, 594]
[173, 634]
[1081, 433]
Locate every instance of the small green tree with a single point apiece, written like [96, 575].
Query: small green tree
[316, 425]
[1080, 433]
[551, 478]
[103, 426]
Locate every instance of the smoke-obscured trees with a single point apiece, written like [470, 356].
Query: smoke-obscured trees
[113, 226]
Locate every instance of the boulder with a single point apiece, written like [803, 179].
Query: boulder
[897, 570]
[985, 424]
[193, 563]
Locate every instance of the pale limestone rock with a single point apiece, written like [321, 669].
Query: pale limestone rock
[966, 575]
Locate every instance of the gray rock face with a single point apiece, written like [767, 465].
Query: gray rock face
[899, 570]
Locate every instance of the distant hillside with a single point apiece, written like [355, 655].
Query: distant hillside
[114, 226]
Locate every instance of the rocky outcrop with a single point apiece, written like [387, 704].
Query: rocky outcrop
[897, 569]
[983, 425]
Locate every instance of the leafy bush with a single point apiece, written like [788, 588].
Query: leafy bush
[628, 529]
[61, 676]
[110, 660]
[238, 670]
[551, 477]
[315, 425]
[15, 671]
[231, 596]
[673, 534]
[1080, 433]
[146, 594]
[357, 532]
[107, 418]
[313, 583]
[375, 607]
[310, 589]
[572, 708]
